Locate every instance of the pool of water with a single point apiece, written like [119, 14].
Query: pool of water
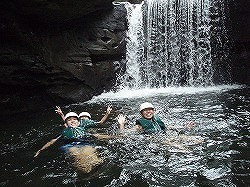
[214, 153]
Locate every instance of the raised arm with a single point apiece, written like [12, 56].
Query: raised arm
[104, 118]
[51, 142]
[59, 111]
[121, 120]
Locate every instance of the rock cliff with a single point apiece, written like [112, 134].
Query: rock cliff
[239, 29]
[58, 52]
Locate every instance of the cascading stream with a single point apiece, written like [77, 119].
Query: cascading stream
[169, 44]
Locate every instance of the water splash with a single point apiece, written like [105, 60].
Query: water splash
[127, 93]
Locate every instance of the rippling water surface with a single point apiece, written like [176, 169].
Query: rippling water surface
[215, 153]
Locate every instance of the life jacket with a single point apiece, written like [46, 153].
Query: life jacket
[87, 123]
[151, 126]
[74, 133]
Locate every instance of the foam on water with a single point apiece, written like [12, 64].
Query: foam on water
[149, 92]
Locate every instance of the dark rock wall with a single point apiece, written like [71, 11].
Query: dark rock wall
[59, 53]
[239, 27]
[130, 1]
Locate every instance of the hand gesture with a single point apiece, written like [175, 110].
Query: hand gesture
[59, 111]
[121, 119]
[109, 109]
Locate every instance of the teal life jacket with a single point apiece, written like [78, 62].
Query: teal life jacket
[151, 126]
[74, 133]
[87, 123]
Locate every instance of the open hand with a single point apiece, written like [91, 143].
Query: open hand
[109, 109]
[121, 119]
[59, 110]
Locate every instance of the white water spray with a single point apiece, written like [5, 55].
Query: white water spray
[168, 44]
[135, 41]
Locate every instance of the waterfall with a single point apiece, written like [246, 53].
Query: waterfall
[168, 44]
[135, 46]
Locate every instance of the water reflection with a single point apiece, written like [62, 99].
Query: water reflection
[215, 153]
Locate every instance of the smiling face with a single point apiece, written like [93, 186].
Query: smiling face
[148, 113]
[72, 122]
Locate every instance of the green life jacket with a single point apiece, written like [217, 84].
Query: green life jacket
[87, 123]
[74, 133]
[151, 126]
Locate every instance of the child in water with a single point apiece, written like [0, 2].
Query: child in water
[85, 156]
[149, 122]
[85, 118]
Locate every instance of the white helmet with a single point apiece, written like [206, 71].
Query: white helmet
[146, 105]
[85, 114]
[71, 114]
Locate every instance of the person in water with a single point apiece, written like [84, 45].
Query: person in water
[85, 156]
[149, 122]
[85, 118]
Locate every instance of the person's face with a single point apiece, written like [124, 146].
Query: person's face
[84, 117]
[72, 122]
[147, 113]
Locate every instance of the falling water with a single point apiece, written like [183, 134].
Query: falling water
[135, 42]
[169, 44]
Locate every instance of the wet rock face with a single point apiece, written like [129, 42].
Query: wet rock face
[54, 11]
[239, 27]
[58, 57]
